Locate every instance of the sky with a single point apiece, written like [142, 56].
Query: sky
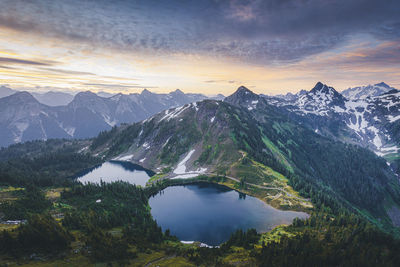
[207, 46]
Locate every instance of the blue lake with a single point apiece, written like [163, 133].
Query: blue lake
[210, 213]
[112, 171]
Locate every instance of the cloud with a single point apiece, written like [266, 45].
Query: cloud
[220, 81]
[118, 86]
[68, 71]
[7, 67]
[9, 60]
[260, 31]
[384, 55]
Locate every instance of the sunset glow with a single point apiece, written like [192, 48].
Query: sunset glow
[197, 46]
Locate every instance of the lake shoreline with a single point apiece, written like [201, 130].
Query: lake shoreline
[210, 212]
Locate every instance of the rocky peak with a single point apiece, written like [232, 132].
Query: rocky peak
[383, 84]
[243, 97]
[22, 97]
[321, 88]
[178, 92]
[146, 92]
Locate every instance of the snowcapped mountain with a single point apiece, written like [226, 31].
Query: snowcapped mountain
[23, 117]
[371, 121]
[362, 92]
[320, 100]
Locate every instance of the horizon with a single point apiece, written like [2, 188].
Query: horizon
[140, 91]
[208, 47]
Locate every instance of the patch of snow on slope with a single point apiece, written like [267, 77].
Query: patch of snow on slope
[124, 158]
[338, 109]
[393, 118]
[185, 176]
[387, 150]
[166, 142]
[70, 131]
[377, 140]
[360, 124]
[21, 126]
[146, 145]
[181, 167]
[108, 120]
[173, 114]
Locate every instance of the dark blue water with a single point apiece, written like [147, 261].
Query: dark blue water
[210, 213]
[111, 171]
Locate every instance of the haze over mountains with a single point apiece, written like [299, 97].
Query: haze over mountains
[23, 117]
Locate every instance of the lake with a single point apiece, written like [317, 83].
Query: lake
[111, 171]
[209, 213]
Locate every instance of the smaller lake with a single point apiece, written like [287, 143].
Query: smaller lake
[209, 213]
[112, 171]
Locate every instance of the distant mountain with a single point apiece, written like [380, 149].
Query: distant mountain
[362, 92]
[289, 96]
[104, 94]
[54, 99]
[6, 91]
[24, 118]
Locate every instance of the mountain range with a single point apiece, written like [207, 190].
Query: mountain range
[367, 116]
[23, 117]
[372, 120]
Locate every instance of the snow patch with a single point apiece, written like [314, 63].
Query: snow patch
[393, 118]
[181, 167]
[166, 142]
[124, 158]
[108, 120]
[174, 113]
[195, 106]
[185, 176]
[146, 145]
[202, 245]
